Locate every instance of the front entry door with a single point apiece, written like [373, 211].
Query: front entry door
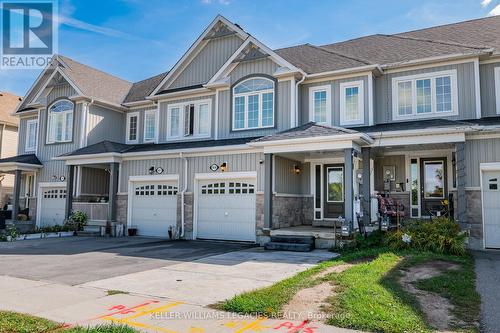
[433, 183]
[334, 191]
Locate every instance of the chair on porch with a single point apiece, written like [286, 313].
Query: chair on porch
[392, 209]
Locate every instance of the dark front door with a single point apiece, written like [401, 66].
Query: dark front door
[334, 191]
[433, 183]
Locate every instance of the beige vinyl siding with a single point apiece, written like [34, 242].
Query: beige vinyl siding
[477, 152]
[465, 85]
[335, 99]
[207, 62]
[201, 164]
[8, 149]
[488, 90]
[104, 124]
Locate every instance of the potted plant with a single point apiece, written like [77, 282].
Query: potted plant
[77, 220]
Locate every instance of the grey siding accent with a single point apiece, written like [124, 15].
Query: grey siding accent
[281, 121]
[104, 124]
[465, 84]
[47, 151]
[60, 91]
[94, 181]
[477, 152]
[210, 59]
[286, 181]
[201, 164]
[164, 114]
[52, 168]
[22, 135]
[335, 99]
[261, 66]
[398, 161]
[488, 96]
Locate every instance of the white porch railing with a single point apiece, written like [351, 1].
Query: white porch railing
[95, 211]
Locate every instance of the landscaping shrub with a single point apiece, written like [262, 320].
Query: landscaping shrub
[76, 221]
[441, 235]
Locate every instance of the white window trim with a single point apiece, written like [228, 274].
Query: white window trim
[343, 184]
[497, 88]
[252, 93]
[433, 75]
[127, 134]
[26, 147]
[361, 102]
[146, 113]
[181, 106]
[48, 140]
[328, 89]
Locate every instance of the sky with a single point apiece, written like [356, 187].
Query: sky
[136, 39]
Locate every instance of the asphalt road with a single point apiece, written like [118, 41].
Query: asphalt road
[487, 284]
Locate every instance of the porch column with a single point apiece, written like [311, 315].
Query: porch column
[348, 191]
[268, 191]
[461, 198]
[69, 190]
[113, 189]
[16, 194]
[366, 193]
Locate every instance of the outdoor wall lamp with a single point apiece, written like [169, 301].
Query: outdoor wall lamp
[296, 169]
[223, 167]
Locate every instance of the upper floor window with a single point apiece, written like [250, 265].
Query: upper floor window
[425, 95]
[150, 125]
[133, 127]
[31, 135]
[253, 104]
[189, 120]
[60, 122]
[320, 105]
[352, 109]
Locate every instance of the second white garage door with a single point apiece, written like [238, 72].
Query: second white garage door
[153, 207]
[491, 208]
[226, 209]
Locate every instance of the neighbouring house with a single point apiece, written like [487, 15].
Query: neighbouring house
[8, 141]
[242, 142]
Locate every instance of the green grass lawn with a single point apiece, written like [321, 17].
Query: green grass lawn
[368, 295]
[13, 322]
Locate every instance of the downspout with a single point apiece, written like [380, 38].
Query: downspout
[184, 189]
[297, 98]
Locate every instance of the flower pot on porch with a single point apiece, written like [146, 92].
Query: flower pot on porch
[132, 231]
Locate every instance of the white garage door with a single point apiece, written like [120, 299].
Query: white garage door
[491, 208]
[154, 207]
[53, 206]
[226, 209]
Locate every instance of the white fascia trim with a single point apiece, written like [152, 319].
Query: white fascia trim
[143, 103]
[497, 89]
[328, 89]
[110, 106]
[330, 138]
[477, 88]
[361, 102]
[89, 158]
[425, 131]
[239, 149]
[431, 60]
[353, 71]
[13, 166]
[193, 47]
[421, 139]
[489, 166]
[226, 175]
[25, 114]
[306, 147]
[154, 178]
[181, 94]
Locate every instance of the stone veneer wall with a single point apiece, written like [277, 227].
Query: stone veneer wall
[474, 221]
[291, 211]
[188, 214]
[121, 208]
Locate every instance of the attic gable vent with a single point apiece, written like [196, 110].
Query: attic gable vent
[252, 52]
[220, 30]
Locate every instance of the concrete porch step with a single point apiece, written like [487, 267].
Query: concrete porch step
[293, 239]
[296, 247]
[92, 228]
[326, 223]
[88, 233]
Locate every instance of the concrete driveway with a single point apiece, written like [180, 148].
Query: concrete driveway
[168, 285]
[487, 277]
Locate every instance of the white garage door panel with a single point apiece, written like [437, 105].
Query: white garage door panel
[226, 210]
[491, 208]
[53, 205]
[154, 208]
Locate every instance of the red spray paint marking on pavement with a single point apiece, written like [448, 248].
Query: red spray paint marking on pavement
[296, 329]
[122, 309]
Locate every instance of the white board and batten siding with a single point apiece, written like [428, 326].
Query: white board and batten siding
[225, 206]
[152, 204]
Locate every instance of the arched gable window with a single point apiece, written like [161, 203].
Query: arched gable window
[253, 104]
[60, 121]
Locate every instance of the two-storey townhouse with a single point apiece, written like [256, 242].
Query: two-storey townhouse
[241, 142]
[8, 141]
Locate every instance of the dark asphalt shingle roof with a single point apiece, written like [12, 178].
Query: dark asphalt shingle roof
[308, 130]
[144, 88]
[115, 147]
[25, 159]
